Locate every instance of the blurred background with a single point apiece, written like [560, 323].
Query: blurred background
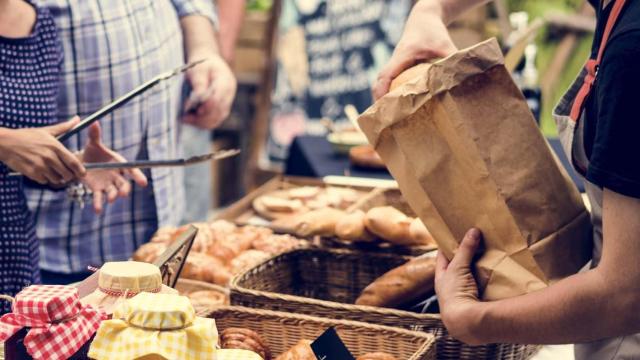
[301, 63]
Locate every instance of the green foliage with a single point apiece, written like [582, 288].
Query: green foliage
[259, 5]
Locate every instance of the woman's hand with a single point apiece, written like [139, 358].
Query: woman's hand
[109, 183]
[35, 153]
[457, 291]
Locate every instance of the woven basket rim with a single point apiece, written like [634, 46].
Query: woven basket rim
[325, 321]
[235, 287]
[205, 285]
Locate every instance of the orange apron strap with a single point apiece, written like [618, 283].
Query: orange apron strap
[592, 65]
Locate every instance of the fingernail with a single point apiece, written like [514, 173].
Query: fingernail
[474, 234]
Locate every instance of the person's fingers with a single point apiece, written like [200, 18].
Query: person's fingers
[138, 177]
[57, 170]
[399, 62]
[467, 249]
[124, 187]
[441, 265]
[98, 201]
[71, 162]
[62, 127]
[95, 133]
[112, 193]
[199, 79]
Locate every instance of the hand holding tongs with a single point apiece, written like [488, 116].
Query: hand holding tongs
[125, 99]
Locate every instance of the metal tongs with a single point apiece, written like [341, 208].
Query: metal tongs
[147, 164]
[121, 101]
[118, 103]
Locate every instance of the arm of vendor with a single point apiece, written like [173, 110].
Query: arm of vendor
[600, 303]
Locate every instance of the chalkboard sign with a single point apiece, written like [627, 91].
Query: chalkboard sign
[329, 54]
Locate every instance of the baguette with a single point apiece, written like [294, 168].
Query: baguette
[390, 224]
[320, 222]
[402, 285]
[420, 234]
[351, 227]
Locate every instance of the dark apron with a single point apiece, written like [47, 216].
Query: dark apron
[569, 116]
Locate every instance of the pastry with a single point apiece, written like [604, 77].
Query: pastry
[164, 235]
[247, 260]
[149, 252]
[241, 338]
[352, 227]
[222, 226]
[366, 156]
[402, 285]
[301, 351]
[208, 298]
[376, 356]
[316, 222]
[304, 192]
[341, 198]
[204, 240]
[390, 224]
[203, 267]
[420, 234]
[276, 244]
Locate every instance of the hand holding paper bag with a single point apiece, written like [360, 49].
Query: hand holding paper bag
[463, 145]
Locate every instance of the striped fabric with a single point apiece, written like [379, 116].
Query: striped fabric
[110, 47]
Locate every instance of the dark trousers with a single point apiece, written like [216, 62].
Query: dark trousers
[55, 278]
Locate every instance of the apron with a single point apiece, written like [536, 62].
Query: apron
[569, 117]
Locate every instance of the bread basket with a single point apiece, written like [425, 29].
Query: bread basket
[325, 283]
[282, 331]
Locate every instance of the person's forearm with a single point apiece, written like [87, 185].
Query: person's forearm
[580, 308]
[230, 14]
[448, 10]
[199, 37]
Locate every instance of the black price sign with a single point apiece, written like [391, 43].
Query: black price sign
[329, 346]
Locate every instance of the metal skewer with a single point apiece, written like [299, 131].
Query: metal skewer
[147, 164]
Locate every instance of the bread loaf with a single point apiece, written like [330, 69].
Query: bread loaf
[203, 267]
[352, 227]
[420, 234]
[376, 356]
[390, 224]
[149, 252]
[246, 339]
[301, 351]
[208, 299]
[316, 222]
[402, 285]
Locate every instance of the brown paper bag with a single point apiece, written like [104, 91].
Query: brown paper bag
[463, 145]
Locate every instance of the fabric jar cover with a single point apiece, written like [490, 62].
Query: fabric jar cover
[125, 279]
[58, 323]
[155, 325]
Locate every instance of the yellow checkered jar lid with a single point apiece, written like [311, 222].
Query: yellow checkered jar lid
[159, 325]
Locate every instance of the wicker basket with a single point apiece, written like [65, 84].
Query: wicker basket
[187, 286]
[326, 283]
[281, 331]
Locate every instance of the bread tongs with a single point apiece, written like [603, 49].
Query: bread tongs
[147, 164]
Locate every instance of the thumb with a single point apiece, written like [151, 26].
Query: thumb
[95, 133]
[62, 127]
[467, 249]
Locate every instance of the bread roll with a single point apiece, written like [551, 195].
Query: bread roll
[351, 227]
[276, 204]
[208, 299]
[419, 233]
[149, 252]
[241, 338]
[276, 244]
[390, 224]
[376, 356]
[301, 351]
[320, 222]
[408, 75]
[404, 284]
[304, 192]
[164, 235]
[247, 260]
[204, 240]
[203, 267]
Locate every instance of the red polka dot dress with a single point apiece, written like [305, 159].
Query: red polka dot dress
[29, 69]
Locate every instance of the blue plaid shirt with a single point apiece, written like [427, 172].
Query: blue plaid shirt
[110, 47]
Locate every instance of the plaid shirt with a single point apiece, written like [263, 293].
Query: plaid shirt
[110, 47]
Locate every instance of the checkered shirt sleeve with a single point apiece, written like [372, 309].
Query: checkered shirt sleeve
[196, 7]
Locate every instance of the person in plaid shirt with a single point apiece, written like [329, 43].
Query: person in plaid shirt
[110, 47]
